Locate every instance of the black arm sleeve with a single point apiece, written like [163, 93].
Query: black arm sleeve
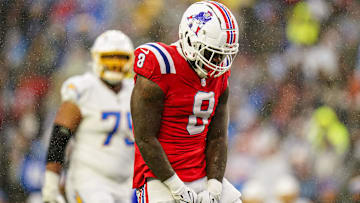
[60, 136]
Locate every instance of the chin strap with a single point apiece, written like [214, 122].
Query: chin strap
[200, 73]
[197, 70]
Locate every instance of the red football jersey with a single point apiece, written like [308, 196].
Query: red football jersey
[189, 105]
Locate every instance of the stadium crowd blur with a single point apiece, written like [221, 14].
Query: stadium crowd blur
[294, 132]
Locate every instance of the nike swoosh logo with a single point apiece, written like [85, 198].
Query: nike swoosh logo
[145, 51]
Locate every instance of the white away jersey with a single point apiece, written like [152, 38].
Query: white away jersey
[103, 140]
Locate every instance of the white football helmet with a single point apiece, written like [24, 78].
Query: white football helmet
[209, 36]
[112, 54]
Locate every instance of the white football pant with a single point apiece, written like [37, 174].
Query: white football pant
[91, 187]
[154, 191]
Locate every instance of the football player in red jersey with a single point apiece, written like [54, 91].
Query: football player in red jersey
[180, 112]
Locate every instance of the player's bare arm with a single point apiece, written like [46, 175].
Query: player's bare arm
[216, 144]
[66, 121]
[67, 118]
[146, 108]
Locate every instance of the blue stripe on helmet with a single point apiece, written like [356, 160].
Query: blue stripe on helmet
[226, 13]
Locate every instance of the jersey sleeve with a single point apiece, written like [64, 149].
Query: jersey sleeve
[153, 62]
[146, 63]
[73, 90]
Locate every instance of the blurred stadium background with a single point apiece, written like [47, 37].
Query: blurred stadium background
[295, 88]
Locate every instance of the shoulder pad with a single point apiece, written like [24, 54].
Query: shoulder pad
[74, 87]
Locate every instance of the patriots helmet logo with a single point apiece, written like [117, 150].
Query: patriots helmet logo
[197, 21]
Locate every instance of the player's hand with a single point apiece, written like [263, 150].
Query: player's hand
[50, 190]
[207, 197]
[180, 192]
[60, 199]
[212, 194]
[185, 194]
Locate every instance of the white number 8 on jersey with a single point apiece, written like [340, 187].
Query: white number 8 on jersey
[192, 127]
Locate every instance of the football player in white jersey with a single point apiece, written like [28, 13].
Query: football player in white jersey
[95, 110]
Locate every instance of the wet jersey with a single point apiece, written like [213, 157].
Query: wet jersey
[189, 105]
[103, 140]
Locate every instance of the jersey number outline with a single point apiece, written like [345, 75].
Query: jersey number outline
[193, 127]
[117, 116]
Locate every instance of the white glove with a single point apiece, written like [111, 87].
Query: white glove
[50, 190]
[181, 192]
[212, 194]
[206, 197]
